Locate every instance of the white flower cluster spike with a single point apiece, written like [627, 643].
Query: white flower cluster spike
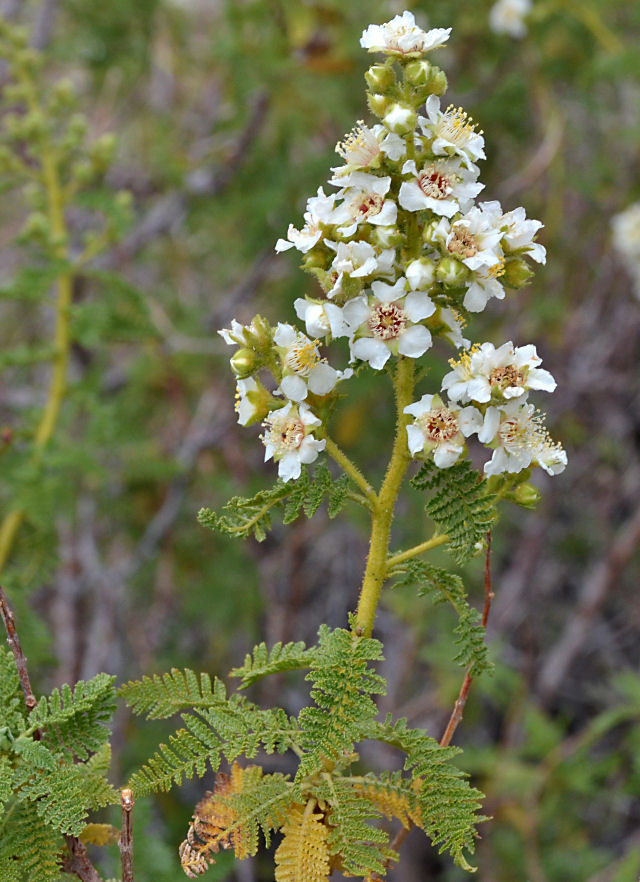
[402, 254]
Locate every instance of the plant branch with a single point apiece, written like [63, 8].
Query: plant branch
[20, 659]
[79, 863]
[352, 470]
[126, 834]
[399, 558]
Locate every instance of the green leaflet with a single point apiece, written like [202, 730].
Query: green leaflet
[342, 687]
[246, 516]
[448, 805]
[29, 848]
[12, 714]
[163, 696]
[441, 586]
[280, 658]
[460, 505]
[261, 805]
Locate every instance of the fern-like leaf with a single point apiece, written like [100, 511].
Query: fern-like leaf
[391, 794]
[303, 852]
[441, 586]
[245, 516]
[74, 721]
[163, 696]
[343, 685]
[11, 698]
[460, 505]
[29, 849]
[280, 658]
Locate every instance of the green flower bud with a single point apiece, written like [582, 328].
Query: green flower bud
[451, 272]
[378, 104]
[400, 119]
[386, 237]
[380, 78]
[314, 259]
[428, 233]
[37, 226]
[524, 495]
[417, 72]
[436, 81]
[517, 273]
[243, 363]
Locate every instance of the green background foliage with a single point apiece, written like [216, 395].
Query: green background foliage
[226, 115]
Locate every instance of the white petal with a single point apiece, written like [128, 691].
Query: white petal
[294, 388]
[445, 455]
[418, 306]
[283, 245]
[411, 197]
[491, 423]
[415, 439]
[322, 379]
[388, 293]
[419, 407]
[479, 389]
[470, 420]
[414, 342]
[285, 335]
[371, 350]
[355, 312]
[538, 378]
[289, 467]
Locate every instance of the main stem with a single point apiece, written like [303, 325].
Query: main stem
[382, 515]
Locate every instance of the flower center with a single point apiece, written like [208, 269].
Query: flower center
[462, 242]
[503, 377]
[360, 147]
[456, 125]
[439, 425]
[497, 269]
[302, 357]
[433, 183]
[367, 206]
[387, 321]
[285, 433]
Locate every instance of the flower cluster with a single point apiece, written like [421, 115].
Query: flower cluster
[402, 254]
[626, 239]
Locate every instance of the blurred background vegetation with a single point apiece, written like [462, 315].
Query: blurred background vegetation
[226, 114]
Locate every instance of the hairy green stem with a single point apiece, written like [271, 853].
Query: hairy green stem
[351, 469]
[434, 542]
[382, 515]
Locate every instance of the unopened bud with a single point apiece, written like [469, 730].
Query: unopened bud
[400, 119]
[517, 273]
[243, 363]
[429, 232]
[378, 104]
[421, 274]
[386, 237]
[380, 78]
[451, 272]
[417, 72]
[525, 495]
[436, 81]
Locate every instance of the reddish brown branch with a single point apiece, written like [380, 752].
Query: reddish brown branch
[458, 709]
[79, 862]
[126, 834]
[19, 656]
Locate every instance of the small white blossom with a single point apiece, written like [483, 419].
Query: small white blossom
[444, 186]
[365, 147]
[402, 36]
[357, 260]
[321, 319]
[473, 239]
[440, 429]
[520, 439]
[364, 202]
[454, 323]
[483, 286]
[319, 211]
[289, 440]
[234, 335]
[303, 368]
[452, 132]
[508, 17]
[385, 323]
[244, 407]
[520, 232]
[486, 372]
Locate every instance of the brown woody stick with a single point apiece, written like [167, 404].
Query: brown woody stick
[458, 709]
[79, 862]
[126, 834]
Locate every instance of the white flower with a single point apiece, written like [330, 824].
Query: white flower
[402, 36]
[289, 440]
[483, 286]
[486, 372]
[520, 439]
[386, 323]
[443, 186]
[365, 147]
[520, 232]
[357, 260]
[473, 239]
[234, 335]
[319, 210]
[453, 132]
[244, 407]
[321, 319]
[364, 202]
[303, 367]
[440, 429]
[507, 17]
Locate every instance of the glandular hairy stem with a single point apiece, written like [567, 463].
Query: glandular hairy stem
[382, 515]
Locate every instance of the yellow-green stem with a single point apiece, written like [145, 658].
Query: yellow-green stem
[51, 179]
[351, 469]
[399, 558]
[382, 515]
